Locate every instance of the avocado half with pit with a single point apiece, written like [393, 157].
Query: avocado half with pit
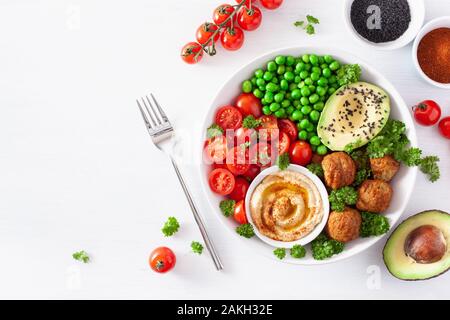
[353, 116]
[419, 248]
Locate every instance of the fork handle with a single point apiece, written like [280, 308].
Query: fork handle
[198, 219]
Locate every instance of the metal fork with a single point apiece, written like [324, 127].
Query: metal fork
[161, 132]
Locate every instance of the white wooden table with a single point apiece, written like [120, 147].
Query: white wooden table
[78, 170]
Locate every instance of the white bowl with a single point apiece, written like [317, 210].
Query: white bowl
[417, 8]
[323, 195]
[442, 22]
[403, 183]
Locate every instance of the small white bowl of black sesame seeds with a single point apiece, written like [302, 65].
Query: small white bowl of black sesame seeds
[384, 24]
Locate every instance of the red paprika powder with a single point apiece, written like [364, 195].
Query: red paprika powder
[434, 55]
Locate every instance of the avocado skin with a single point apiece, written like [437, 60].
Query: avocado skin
[393, 232]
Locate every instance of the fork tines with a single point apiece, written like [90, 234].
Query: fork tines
[156, 115]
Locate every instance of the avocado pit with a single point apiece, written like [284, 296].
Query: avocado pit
[425, 244]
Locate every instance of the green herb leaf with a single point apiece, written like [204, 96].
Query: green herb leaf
[298, 251]
[429, 166]
[214, 131]
[361, 176]
[197, 247]
[81, 256]
[283, 161]
[348, 74]
[170, 227]
[227, 207]
[373, 224]
[316, 168]
[299, 23]
[410, 157]
[310, 29]
[312, 19]
[346, 196]
[280, 253]
[245, 230]
[250, 122]
[324, 248]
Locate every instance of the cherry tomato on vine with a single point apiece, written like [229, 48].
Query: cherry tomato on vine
[229, 117]
[240, 189]
[271, 4]
[232, 38]
[222, 13]
[221, 181]
[248, 104]
[444, 127]
[205, 32]
[300, 153]
[248, 2]
[427, 113]
[249, 19]
[239, 212]
[162, 259]
[189, 52]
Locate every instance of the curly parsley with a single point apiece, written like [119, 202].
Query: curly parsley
[245, 230]
[361, 176]
[81, 256]
[250, 122]
[197, 247]
[170, 227]
[298, 251]
[316, 168]
[214, 131]
[280, 253]
[373, 224]
[429, 166]
[227, 207]
[323, 248]
[346, 196]
[283, 161]
[348, 74]
[308, 25]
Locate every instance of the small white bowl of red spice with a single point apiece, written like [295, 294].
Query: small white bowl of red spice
[431, 52]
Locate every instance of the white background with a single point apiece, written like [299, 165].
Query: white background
[78, 171]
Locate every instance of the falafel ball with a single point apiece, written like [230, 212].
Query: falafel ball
[339, 170]
[344, 226]
[384, 168]
[374, 196]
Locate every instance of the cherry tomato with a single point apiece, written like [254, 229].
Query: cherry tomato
[249, 19]
[240, 189]
[162, 259]
[229, 118]
[239, 213]
[248, 104]
[247, 2]
[221, 181]
[189, 52]
[268, 130]
[252, 172]
[205, 32]
[427, 113]
[289, 127]
[216, 150]
[219, 166]
[283, 143]
[221, 13]
[444, 127]
[238, 160]
[232, 38]
[261, 154]
[300, 153]
[271, 4]
[244, 135]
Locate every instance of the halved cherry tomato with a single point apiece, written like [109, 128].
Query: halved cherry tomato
[444, 127]
[162, 259]
[244, 135]
[216, 150]
[283, 143]
[261, 154]
[427, 113]
[249, 19]
[239, 213]
[248, 104]
[229, 118]
[221, 13]
[219, 166]
[289, 127]
[240, 189]
[205, 32]
[238, 160]
[268, 130]
[221, 181]
[271, 4]
[252, 172]
[300, 153]
[232, 39]
[189, 51]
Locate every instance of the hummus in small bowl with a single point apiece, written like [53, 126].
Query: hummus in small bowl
[287, 207]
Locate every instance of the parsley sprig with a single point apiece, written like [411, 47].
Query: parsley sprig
[170, 227]
[197, 247]
[81, 256]
[308, 25]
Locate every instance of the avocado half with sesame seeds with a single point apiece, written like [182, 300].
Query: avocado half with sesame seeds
[419, 248]
[353, 116]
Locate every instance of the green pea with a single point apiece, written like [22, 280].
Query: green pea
[308, 67]
[285, 103]
[290, 60]
[262, 88]
[284, 85]
[258, 93]
[322, 150]
[315, 76]
[272, 87]
[292, 86]
[311, 134]
[275, 107]
[266, 110]
[304, 74]
[321, 60]
[268, 97]
[314, 59]
[315, 116]
[331, 90]
[319, 106]
[289, 76]
[253, 81]
[296, 103]
[335, 65]
[280, 60]
[259, 73]
[260, 82]
[304, 101]
[297, 79]
[305, 58]
[324, 66]
[328, 59]
[279, 97]
[280, 113]
[267, 76]
[305, 91]
[332, 79]
[290, 110]
[296, 94]
[322, 82]
[315, 141]
[301, 84]
[309, 81]
[299, 67]
[306, 110]
[297, 115]
[304, 124]
[303, 135]
[314, 98]
[275, 80]
[247, 86]
[271, 66]
[281, 70]
[288, 96]
[316, 70]
[321, 91]
[310, 127]
[312, 89]
[326, 72]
